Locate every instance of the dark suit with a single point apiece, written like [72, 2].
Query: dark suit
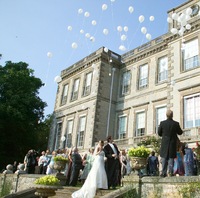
[112, 166]
[168, 130]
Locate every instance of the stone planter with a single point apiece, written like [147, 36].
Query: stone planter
[138, 163]
[59, 165]
[45, 191]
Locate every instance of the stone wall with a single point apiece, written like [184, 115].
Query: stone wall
[150, 187]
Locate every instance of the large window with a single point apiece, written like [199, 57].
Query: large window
[126, 83]
[122, 127]
[143, 76]
[190, 54]
[81, 131]
[87, 84]
[75, 90]
[69, 133]
[64, 94]
[58, 135]
[192, 111]
[140, 123]
[162, 68]
[160, 115]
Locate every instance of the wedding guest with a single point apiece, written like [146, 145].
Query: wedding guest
[153, 164]
[168, 130]
[9, 169]
[189, 161]
[75, 167]
[112, 163]
[88, 164]
[178, 161]
[50, 169]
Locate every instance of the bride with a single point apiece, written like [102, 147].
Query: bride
[97, 178]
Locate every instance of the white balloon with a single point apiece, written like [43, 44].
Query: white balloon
[112, 0]
[94, 22]
[80, 11]
[188, 26]
[174, 16]
[105, 49]
[63, 138]
[122, 48]
[187, 17]
[92, 38]
[126, 28]
[141, 18]
[151, 18]
[49, 54]
[57, 79]
[182, 17]
[104, 7]
[131, 9]
[69, 28]
[189, 11]
[180, 32]
[144, 30]
[74, 45]
[87, 14]
[123, 37]
[174, 30]
[105, 31]
[183, 23]
[169, 20]
[93, 65]
[82, 31]
[119, 28]
[87, 35]
[148, 36]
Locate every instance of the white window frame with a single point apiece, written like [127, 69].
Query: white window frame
[126, 83]
[160, 115]
[81, 131]
[58, 135]
[64, 94]
[192, 111]
[190, 54]
[122, 129]
[87, 84]
[74, 95]
[143, 76]
[140, 124]
[69, 131]
[162, 68]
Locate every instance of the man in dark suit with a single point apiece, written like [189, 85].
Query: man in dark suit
[168, 130]
[112, 164]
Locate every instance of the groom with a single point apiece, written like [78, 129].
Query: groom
[112, 164]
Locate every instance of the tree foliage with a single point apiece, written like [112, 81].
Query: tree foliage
[21, 111]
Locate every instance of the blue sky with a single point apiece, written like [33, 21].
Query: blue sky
[32, 28]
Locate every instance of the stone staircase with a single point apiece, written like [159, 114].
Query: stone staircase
[66, 192]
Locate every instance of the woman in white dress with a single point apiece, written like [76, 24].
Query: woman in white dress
[97, 178]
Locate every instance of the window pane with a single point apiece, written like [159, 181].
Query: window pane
[190, 54]
[160, 115]
[192, 111]
[64, 95]
[122, 127]
[162, 68]
[143, 77]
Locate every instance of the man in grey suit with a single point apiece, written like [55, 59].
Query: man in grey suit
[168, 130]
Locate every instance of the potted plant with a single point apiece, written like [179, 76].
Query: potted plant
[60, 163]
[46, 186]
[138, 157]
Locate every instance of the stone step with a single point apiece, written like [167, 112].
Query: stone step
[67, 191]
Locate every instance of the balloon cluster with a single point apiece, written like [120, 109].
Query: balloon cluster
[122, 30]
[182, 21]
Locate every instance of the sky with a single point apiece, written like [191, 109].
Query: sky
[51, 35]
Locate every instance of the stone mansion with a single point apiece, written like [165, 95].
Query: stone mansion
[126, 96]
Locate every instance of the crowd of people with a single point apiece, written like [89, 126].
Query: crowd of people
[104, 166]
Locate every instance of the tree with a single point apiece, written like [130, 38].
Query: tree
[21, 111]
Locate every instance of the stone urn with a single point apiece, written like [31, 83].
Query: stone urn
[44, 191]
[138, 163]
[59, 165]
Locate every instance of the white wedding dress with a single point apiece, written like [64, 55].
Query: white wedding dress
[96, 178]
